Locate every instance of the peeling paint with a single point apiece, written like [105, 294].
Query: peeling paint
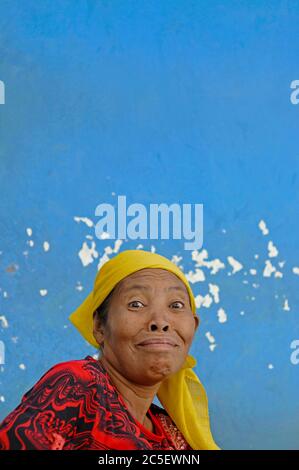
[211, 340]
[88, 254]
[105, 236]
[222, 316]
[197, 276]
[263, 227]
[85, 220]
[200, 258]
[270, 269]
[3, 321]
[273, 252]
[203, 301]
[46, 246]
[236, 265]
[214, 290]
[43, 292]
[79, 286]
[176, 259]
[103, 260]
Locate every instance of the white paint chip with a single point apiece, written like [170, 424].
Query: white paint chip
[214, 290]
[46, 246]
[278, 274]
[203, 301]
[195, 276]
[222, 316]
[29, 231]
[263, 227]
[22, 366]
[43, 292]
[211, 340]
[270, 366]
[3, 321]
[79, 286]
[88, 254]
[286, 306]
[2, 399]
[30, 243]
[269, 269]
[176, 259]
[273, 251]
[253, 272]
[200, 258]
[296, 270]
[105, 236]
[85, 220]
[103, 260]
[236, 265]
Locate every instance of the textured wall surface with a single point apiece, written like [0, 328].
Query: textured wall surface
[173, 101]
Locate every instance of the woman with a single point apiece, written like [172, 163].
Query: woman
[142, 315]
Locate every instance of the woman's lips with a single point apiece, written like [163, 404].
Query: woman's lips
[157, 345]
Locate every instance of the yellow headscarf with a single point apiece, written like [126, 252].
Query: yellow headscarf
[182, 394]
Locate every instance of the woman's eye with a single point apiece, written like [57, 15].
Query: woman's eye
[135, 302]
[178, 304]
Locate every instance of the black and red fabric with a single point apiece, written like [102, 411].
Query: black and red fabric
[76, 406]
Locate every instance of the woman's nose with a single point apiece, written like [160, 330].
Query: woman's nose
[156, 325]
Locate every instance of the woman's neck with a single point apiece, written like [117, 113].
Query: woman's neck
[138, 398]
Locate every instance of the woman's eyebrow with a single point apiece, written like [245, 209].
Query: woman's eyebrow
[139, 286]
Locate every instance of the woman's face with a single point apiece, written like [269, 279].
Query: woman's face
[150, 326]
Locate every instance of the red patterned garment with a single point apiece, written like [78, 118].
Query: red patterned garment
[75, 406]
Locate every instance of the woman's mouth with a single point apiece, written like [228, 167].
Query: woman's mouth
[158, 344]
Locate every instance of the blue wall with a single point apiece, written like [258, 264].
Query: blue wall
[174, 101]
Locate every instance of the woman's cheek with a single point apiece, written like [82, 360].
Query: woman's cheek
[187, 333]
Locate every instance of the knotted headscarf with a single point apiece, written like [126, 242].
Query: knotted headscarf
[182, 394]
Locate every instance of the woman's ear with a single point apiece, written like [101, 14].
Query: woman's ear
[98, 330]
[197, 321]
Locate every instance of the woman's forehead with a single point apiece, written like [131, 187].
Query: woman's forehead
[147, 275]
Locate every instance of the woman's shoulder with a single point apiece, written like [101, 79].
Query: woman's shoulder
[74, 365]
[69, 373]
